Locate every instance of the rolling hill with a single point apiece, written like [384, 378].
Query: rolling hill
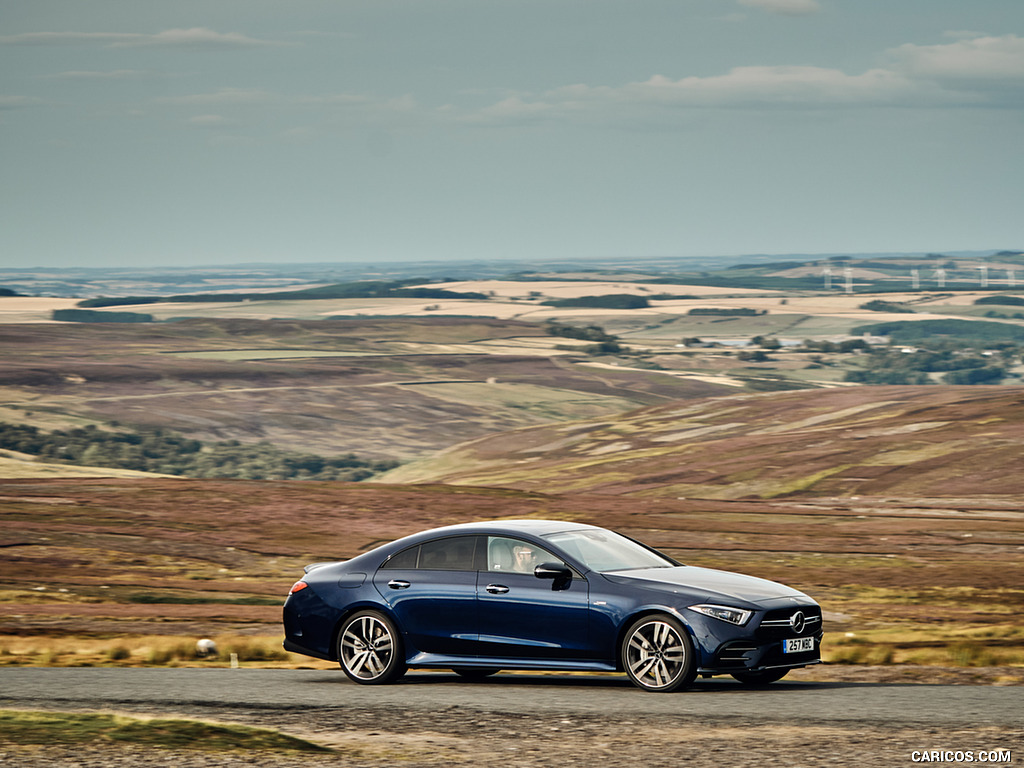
[948, 442]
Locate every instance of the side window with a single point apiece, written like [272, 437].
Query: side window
[515, 555]
[452, 554]
[405, 559]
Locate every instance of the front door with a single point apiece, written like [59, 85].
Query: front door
[521, 616]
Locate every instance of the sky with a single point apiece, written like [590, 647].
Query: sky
[200, 132]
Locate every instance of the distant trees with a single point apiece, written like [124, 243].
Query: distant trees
[728, 312]
[1015, 301]
[361, 289]
[755, 356]
[607, 301]
[586, 333]
[877, 305]
[842, 347]
[898, 365]
[93, 316]
[159, 450]
[904, 331]
[607, 344]
[766, 342]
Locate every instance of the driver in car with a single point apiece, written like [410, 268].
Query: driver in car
[525, 559]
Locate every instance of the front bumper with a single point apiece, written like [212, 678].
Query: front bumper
[762, 648]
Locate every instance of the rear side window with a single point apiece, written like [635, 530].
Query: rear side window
[405, 559]
[456, 553]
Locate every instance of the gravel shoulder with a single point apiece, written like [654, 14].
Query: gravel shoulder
[476, 725]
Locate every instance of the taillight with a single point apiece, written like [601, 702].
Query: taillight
[298, 586]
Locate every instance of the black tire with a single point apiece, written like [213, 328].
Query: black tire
[370, 649]
[474, 673]
[760, 678]
[657, 654]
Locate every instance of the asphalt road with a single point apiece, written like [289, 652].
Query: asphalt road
[200, 690]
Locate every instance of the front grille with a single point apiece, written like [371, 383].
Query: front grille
[798, 621]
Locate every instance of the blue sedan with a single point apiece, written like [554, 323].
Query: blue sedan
[536, 594]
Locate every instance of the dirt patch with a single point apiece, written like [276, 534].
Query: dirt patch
[376, 737]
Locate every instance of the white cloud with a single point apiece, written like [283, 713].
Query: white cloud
[785, 7]
[195, 38]
[976, 62]
[224, 96]
[783, 87]
[975, 72]
[116, 74]
[16, 102]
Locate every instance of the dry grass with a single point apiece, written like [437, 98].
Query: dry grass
[28, 727]
[149, 651]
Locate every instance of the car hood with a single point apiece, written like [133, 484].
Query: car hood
[706, 583]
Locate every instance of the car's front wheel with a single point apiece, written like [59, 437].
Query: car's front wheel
[657, 654]
[760, 678]
[370, 649]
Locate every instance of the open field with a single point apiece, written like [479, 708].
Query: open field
[897, 507]
[404, 387]
[383, 388]
[131, 571]
[31, 309]
[938, 442]
[791, 314]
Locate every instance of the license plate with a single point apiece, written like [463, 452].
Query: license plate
[798, 645]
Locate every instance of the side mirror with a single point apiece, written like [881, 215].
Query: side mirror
[559, 573]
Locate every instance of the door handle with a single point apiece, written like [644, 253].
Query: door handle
[496, 589]
[399, 584]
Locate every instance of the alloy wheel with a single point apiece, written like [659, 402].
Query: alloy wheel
[369, 649]
[657, 655]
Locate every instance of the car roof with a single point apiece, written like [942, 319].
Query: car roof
[500, 527]
[534, 527]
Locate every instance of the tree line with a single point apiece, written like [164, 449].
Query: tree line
[363, 289]
[896, 365]
[162, 451]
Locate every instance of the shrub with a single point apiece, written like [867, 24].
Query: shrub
[119, 653]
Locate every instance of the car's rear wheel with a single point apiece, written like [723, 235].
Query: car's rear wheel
[474, 673]
[657, 654]
[760, 678]
[370, 649]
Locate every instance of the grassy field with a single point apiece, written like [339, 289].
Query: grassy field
[897, 508]
[30, 727]
[930, 442]
[379, 388]
[909, 581]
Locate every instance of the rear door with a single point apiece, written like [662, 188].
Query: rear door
[431, 589]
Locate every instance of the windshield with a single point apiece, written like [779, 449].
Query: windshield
[606, 551]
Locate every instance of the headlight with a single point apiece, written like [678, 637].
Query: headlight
[732, 615]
